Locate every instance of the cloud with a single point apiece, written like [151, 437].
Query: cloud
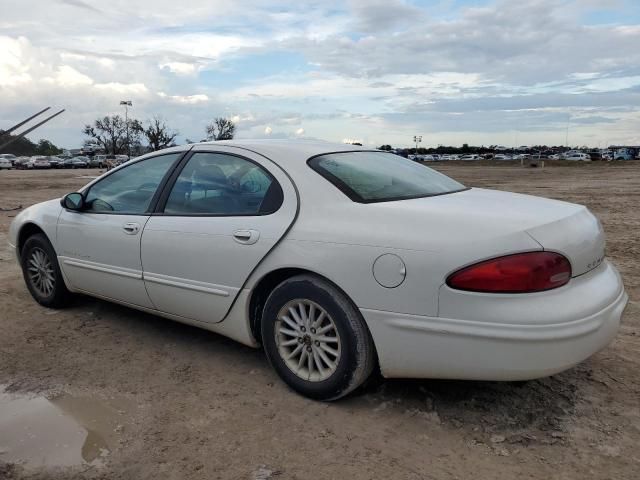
[376, 70]
[180, 68]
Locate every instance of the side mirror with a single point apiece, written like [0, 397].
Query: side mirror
[73, 201]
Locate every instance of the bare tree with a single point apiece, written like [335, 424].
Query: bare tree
[158, 134]
[111, 133]
[221, 129]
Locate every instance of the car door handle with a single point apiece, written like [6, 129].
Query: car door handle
[131, 228]
[246, 237]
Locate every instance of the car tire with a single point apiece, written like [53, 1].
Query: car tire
[335, 350]
[42, 273]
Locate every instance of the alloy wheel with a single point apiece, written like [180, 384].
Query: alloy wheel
[307, 340]
[41, 272]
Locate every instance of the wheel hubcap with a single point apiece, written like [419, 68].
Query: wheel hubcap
[41, 273]
[307, 340]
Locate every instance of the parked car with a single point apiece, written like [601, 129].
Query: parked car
[501, 156]
[470, 157]
[623, 154]
[55, 162]
[8, 156]
[21, 163]
[95, 162]
[101, 160]
[578, 157]
[112, 162]
[5, 164]
[39, 162]
[553, 156]
[79, 162]
[335, 260]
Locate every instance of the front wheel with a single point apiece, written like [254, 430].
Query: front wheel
[42, 273]
[316, 339]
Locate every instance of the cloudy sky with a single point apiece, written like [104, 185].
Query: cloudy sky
[504, 72]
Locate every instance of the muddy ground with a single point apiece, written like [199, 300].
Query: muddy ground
[155, 399]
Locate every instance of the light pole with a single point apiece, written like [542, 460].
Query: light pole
[127, 104]
[417, 139]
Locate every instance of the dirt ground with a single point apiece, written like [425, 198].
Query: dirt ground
[168, 401]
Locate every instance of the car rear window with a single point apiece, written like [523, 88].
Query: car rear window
[368, 177]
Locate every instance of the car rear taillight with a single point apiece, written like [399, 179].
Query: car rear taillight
[519, 273]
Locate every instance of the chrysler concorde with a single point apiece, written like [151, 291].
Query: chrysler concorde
[337, 260]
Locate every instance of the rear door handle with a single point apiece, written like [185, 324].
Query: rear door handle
[131, 228]
[246, 237]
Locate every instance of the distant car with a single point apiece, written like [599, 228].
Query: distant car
[21, 163]
[470, 157]
[278, 243]
[554, 156]
[113, 161]
[39, 162]
[55, 162]
[5, 164]
[623, 154]
[501, 156]
[8, 156]
[101, 160]
[578, 157]
[95, 162]
[428, 158]
[79, 162]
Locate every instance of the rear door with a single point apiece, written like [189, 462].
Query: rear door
[222, 212]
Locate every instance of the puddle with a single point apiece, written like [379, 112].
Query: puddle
[60, 431]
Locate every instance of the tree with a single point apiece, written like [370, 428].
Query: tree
[110, 133]
[45, 147]
[23, 146]
[221, 129]
[158, 134]
[385, 147]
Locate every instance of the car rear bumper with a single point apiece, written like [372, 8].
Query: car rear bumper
[413, 346]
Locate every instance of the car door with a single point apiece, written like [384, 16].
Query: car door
[100, 245]
[223, 211]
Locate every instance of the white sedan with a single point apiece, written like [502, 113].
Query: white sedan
[337, 260]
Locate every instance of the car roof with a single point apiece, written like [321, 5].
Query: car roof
[288, 151]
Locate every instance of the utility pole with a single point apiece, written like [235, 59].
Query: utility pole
[127, 104]
[417, 139]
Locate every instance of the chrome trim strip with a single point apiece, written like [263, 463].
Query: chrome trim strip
[153, 278]
[100, 268]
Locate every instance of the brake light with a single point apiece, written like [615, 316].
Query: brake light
[519, 273]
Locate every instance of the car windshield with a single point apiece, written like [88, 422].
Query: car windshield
[368, 177]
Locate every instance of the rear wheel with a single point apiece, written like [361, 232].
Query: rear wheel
[42, 273]
[315, 338]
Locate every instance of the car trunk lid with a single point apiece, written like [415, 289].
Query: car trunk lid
[578, 236]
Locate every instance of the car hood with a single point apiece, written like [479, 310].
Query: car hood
[473, 224]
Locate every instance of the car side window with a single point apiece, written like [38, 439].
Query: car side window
[130, 189]
[221, 184]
